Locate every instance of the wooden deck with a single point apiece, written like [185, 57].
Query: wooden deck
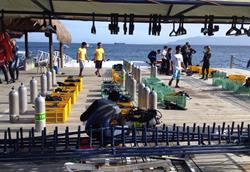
[208, 104]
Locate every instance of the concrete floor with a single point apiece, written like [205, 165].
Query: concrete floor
[208, 104]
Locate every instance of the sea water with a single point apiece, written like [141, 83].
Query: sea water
[137, 52]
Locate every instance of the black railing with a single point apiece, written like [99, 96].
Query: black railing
[164, 140]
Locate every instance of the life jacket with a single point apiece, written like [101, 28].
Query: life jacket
[5, 40]
[2, 55]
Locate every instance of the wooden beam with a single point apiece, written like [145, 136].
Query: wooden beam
[37, 3]
[188, 10]
[52, 9]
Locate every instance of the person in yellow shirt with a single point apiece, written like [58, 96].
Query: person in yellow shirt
[82, 56]
[99, 58]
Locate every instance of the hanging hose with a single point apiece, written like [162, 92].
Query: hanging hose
[93, 29]
[125, 29]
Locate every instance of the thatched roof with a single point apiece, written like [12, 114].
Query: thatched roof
[21, 25]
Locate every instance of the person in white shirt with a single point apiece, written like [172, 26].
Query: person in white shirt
[177, 66]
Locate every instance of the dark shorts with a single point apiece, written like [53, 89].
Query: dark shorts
[98, 64]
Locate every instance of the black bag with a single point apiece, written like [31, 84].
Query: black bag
[118, 67]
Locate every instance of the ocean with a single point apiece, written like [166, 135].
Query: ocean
[220, 54]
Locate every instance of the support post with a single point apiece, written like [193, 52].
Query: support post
[61, 54]
[50, 51]
[26, 50]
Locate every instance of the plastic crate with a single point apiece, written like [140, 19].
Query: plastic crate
[80, 83]
[230, 85]
[219, 75]
[57, 114]
[178, 100]
[217, 81]
[66, 98]
[243, 90]
[70, 92]
[194, 69]
[239, 78]
[61, 104]
[125, 107]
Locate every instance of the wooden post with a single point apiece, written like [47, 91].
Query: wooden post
[61, 54]
[51, 51]
[26, 50]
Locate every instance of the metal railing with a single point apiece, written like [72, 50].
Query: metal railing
[164, 140]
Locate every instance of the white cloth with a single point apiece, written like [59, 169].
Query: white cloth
[176, 60]
[163, 54]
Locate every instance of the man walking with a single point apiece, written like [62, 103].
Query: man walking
[177, 65]
[99, 58]
[82, 56]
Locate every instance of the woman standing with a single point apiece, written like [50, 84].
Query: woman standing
[206, 62]
[99, 58]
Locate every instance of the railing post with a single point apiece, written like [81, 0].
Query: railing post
[231, 61]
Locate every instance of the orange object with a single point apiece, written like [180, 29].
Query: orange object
[5, 41]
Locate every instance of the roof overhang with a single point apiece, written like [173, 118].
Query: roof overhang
[170, 10]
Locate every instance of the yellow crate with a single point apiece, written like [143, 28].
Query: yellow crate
[71, 89]
[125, 107]
[66, 95]
[57, 114]
[66, 98]
[195, 69]
[240, 78]
[80, 84]
[60, 104]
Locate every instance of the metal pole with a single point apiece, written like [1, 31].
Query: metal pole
[26, 49]
[50, 51]
[231, 61]
[61, 54]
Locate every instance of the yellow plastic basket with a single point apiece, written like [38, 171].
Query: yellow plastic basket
[56, 114]
[240, 78]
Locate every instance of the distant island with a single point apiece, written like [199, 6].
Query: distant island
[119, 43]
[206, 40]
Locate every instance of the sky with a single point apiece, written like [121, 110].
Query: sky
[80, 31]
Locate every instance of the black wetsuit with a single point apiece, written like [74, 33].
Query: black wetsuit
[152, 57]
[206, 64]
[168, 59]
[248, 64]
[184, 55]
[191, 52]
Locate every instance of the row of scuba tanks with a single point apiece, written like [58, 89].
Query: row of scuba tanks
[18, 100]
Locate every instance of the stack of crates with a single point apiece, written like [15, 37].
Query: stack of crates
[194, 69]
[238, 78]
[218, 78]
[165, 94]
[75, 80]
[230, 85]
[58, 111]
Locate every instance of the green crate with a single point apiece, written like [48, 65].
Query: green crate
[180, 101]
[243, 90]
[230, 85]
[217, 81]
[219, 75]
